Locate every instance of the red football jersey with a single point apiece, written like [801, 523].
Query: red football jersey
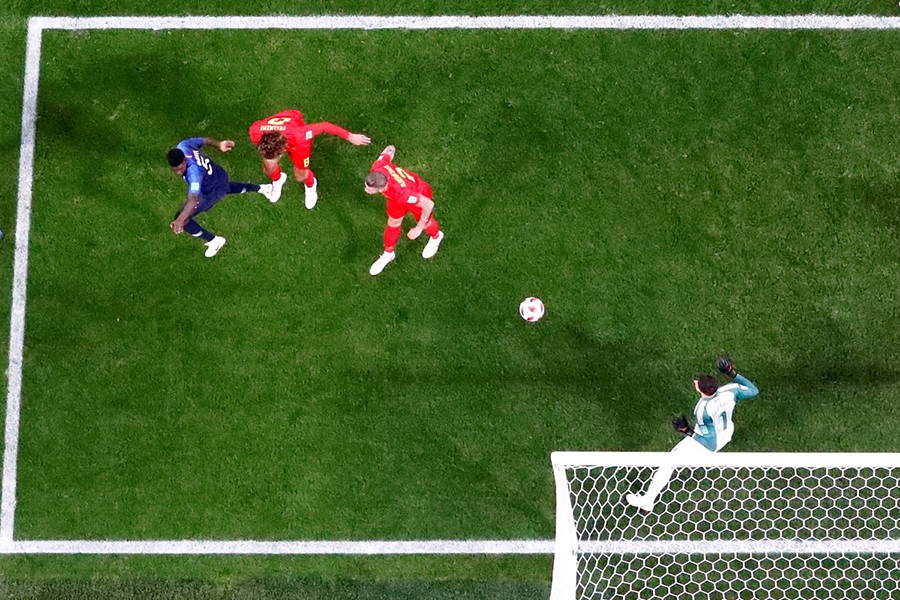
[403, 187]
[299, 135]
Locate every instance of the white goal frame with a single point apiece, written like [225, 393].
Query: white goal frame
[568, 546]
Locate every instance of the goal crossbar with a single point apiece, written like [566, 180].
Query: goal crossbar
[809, 460]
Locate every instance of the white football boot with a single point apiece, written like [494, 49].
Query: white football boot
[379, 265]
[432, 246]
[213, 246]
[272, 191]
[311, 194]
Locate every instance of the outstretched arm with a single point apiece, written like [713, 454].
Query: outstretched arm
[186, 212]
[357, 139]
[223, 146]
[745, 388]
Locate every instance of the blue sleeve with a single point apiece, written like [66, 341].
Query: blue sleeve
[189, 145]
[194, 177]
[746, 389]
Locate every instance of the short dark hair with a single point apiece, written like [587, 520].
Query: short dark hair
[376, 180]
[271, 145]
[707, 384]
[175, 157]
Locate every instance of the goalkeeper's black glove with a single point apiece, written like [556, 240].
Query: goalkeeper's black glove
[726, 367]
[681, 425]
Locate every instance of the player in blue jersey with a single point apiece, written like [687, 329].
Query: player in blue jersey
[714, 425]
[207, 184]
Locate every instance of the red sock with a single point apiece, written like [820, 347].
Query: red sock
[310, 178]
[391, 235]
[274, 175]
[432, 228]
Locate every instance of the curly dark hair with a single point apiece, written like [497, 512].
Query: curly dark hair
[272, 145]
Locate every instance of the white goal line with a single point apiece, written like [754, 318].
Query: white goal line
[447, 547]
[425, 547]
[368, 22]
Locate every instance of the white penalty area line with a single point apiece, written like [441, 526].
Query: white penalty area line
[36, 26]
[487, 547]
[369, 22]
[20, 271]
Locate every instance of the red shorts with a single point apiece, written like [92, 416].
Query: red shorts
[396, 210]
[300, 157]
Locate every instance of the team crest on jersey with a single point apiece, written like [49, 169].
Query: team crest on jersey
[309, 135]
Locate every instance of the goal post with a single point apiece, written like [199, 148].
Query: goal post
[729, 526]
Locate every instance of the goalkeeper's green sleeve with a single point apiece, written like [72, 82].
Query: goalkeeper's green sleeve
[746, 388]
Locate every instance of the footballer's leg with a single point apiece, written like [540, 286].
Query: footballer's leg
[270, 191]
[303, 173]
[239, 187]
[213, 244]
[431, 225]
[194, 229]
[391, 235]
[437, 236]
[273, 169]
[662, 476]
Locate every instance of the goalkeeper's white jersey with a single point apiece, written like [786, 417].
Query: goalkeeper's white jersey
[714, 418]
[713, 415]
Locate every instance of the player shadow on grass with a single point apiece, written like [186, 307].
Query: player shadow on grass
[117, 124]
[881, 197]
[615, 379]
[827, 354]
[810, 400]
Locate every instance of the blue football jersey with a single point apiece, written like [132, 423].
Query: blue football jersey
[203, 176]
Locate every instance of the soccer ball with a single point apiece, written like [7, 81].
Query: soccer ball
[531, 309]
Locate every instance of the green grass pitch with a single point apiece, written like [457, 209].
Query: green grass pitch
[669, 196]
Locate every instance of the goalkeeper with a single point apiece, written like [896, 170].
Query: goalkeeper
[714, 425]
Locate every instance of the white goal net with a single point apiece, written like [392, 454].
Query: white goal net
[729, 526]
